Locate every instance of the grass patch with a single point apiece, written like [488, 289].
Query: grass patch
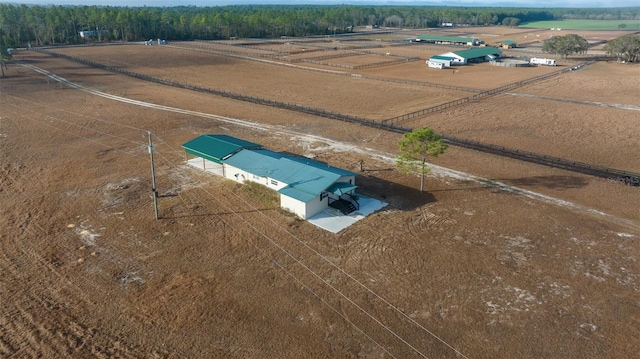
[258, 193]
[585, 24]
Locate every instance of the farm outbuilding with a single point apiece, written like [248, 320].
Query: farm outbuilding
[306, 187]
[209, 151]
[449, 40]
[438, 59]
[507, 44]
[480, 54]
[542, 61]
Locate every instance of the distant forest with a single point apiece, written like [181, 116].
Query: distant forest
[52, 25]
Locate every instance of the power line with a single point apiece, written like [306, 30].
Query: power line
[72, 123]
[57, 78]
[75, 113]
[234, 228]
[80, 136]
[287, 253]
[297, 279]
[352, 278]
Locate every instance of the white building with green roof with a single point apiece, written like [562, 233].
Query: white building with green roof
[306, 187]
[464, 57]
[449, 40]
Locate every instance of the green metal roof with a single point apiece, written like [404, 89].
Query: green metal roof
[305, 177]
[341, 188]
[440, 57]
[447, 38]
[216, 147]
[478, 52]
[508, 42]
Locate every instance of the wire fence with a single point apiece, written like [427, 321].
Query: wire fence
[478, 96]
[626, 177]
[238, 54]
[360, 67]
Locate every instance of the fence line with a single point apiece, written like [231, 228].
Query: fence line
[288, 60]
[480, 95]
[626, 177]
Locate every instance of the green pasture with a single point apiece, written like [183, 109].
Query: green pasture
[585, 24]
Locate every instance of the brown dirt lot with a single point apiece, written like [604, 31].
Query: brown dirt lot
[544, 265]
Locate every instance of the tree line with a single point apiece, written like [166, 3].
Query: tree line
[51, 25]
[625, 48]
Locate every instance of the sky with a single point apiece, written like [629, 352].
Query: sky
[492, 3]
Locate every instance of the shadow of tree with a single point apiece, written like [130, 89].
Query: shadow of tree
[396, 195]
[551, 182]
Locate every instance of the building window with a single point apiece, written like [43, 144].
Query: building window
[274, 182]
[323, 195]
[256, 177]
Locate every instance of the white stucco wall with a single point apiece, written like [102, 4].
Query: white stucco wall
[231, 172]
[236, 174]
[316, 206]
[299, 208]
[275, 184]
[294, 206]
[457, 60]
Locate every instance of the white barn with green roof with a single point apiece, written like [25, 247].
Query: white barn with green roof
[306, 187]
[479, 54]
[449, 40]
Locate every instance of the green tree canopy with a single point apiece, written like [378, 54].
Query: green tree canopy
[415, 147]
[625, 48]
[566, 45]
[48, 25]
[5, 55]
[511, 21]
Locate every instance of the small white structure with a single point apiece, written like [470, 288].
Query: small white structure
[86, 34]
[435, 64]
[439, 62]
[542, 61]
[149, 42]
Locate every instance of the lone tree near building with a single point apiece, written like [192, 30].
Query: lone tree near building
[415, 147]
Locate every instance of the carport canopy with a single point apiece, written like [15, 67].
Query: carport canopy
[216, 147]
[340, 188]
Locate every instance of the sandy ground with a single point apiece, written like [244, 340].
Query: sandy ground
[497, 259]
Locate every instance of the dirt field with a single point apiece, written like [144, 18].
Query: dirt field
[497, 259]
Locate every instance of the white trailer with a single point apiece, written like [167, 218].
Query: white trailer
[435, 65]
[542, 61]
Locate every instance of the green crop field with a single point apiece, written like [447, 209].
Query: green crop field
[586, 24]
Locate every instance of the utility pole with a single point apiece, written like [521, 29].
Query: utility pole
[153, 177]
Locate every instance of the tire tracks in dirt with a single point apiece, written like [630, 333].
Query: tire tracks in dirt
[45, 311]
[336, 145]
[314, 262]
[324, 279]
